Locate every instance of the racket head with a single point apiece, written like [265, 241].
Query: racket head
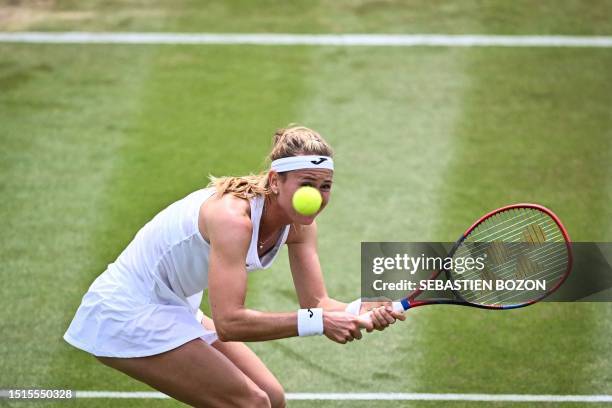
[521, 241]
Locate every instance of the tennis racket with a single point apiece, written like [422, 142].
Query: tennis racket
[516, 242]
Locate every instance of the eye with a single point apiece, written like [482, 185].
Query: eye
[306, 183]
[326, 187]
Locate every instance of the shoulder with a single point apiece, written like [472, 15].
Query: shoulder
[302, 233]
[226, 216]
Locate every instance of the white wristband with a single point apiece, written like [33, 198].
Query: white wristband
[310, 322]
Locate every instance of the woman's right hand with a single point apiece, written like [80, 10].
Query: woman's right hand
[343, 327]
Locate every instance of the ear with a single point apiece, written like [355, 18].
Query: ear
[273, 181]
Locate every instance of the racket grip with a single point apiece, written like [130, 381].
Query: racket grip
[355, 305]
[398, 307]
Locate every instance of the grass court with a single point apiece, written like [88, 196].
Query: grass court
[96, 139]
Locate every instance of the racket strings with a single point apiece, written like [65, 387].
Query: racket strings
[546, 255]
[508, 228]
[549, 272]
[508, 296]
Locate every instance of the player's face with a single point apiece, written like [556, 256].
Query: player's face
[321, 179]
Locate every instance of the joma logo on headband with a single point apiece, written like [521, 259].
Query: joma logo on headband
[321, 160]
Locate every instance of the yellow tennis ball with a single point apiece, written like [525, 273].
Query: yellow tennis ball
[307, 200]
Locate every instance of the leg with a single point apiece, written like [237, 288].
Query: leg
[196, 374]
[248, 362]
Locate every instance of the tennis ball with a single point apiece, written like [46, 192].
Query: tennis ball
[306, 200]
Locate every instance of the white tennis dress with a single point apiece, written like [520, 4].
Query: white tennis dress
[147, 301]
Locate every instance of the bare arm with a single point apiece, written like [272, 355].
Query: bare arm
[229, 232]
[306, 270]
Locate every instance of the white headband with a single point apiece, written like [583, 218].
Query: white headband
[302, 162]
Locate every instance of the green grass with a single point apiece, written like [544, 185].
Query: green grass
[321, 16]
[61, 131]
[97, 139]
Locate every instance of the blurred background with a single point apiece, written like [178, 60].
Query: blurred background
[97, 138]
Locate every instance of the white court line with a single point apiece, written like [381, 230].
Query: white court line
[383, 396]
[375, 40]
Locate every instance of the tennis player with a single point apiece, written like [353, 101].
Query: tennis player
[142, 316]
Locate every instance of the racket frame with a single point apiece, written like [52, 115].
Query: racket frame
[409, 302]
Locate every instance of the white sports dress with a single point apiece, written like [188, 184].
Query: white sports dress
[147, 301]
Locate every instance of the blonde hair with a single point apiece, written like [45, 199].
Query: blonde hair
[287, 142]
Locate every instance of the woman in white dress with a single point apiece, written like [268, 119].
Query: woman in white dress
[142, 316]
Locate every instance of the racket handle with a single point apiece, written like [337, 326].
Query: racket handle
[398, 307]
[355, 305]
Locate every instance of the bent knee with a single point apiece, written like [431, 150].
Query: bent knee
[276, 394]
[258, 398]
[255, 397]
